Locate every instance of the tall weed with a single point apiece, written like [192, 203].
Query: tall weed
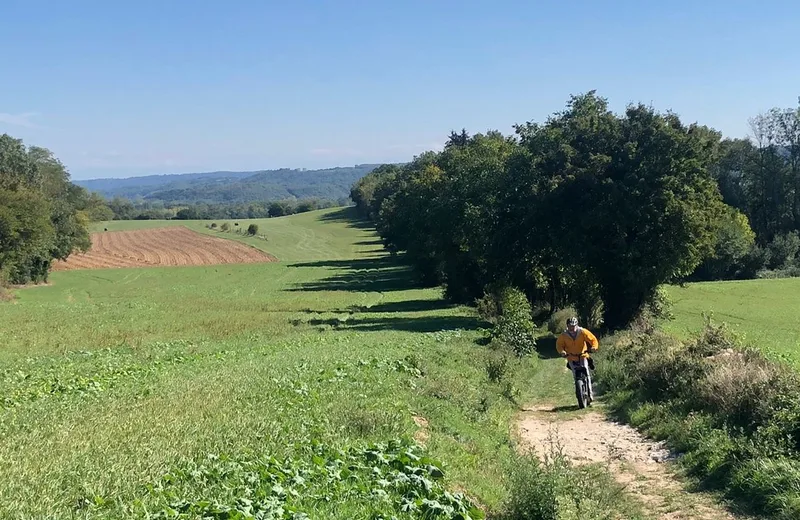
[554, 489]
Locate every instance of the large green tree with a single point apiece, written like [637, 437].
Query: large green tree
[42, 212]
[588, 205]
[625, 201]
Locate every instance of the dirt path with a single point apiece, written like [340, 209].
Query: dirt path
[636, 462]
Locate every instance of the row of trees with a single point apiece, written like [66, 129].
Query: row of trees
[590, 208]
[123, 209]
[43, 216]
[761, 178]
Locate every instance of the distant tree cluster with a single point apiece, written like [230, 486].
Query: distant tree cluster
[124, 209]
[588, 209]
[43, 216]
[760, 177]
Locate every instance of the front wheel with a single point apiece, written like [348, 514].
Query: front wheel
[582, 393]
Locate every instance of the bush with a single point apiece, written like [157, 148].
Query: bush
[515, 326]
[733, 413]
[213, 225]
[752, 263]
[497, 364]
[783, 250]
[488, 307]
[225, 227]
[789, 272]
[252, 229]
[553, 489]
[558, 321]
[657, 308]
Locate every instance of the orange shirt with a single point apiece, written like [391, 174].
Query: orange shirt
[576, 347]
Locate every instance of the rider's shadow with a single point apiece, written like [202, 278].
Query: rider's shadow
[564, 408]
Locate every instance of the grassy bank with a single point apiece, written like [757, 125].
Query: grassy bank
[732, 413]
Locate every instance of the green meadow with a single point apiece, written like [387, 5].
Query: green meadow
[764, 313]
[327, 384]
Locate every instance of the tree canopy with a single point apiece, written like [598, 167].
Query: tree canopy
[588, 206]
[43, 216]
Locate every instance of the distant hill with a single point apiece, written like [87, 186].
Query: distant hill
[227, 187]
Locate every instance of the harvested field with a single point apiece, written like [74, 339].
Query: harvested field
[169, 246]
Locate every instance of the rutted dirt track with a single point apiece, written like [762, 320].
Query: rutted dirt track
[639, 464]
[168, 246]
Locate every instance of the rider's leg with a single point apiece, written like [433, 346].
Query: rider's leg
[589, 379]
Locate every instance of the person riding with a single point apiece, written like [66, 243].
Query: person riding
[573, 342]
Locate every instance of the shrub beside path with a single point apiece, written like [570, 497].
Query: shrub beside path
[643, 466]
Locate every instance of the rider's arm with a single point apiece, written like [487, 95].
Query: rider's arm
[591, 339]
[560, 345]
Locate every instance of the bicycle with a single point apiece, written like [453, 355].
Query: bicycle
[583, 381]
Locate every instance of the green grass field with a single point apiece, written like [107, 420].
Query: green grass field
[763, 312]
[208, 390]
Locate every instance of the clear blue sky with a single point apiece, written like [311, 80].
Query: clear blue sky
[130, 88]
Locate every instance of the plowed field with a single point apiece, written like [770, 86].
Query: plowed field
[161, 247]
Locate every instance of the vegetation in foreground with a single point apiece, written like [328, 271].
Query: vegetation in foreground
[327, 385]
[733, 414]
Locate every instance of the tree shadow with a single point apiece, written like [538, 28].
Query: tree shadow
[546, 347]
[380, 262]
[418, 324]
[348, 215]
[376, 242]
[405, 306]
[378, 280]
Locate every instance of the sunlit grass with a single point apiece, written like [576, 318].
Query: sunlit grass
[114, 379]
[762, 312]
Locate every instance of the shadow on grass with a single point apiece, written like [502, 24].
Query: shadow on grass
[406, 306]
[359, 264]
[564, 408]
[349, 216]
[391, 307]
[546, 347]
[377, 280]
[419, 324]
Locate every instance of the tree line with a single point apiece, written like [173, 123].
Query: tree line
[124, 209]
[590, 208]
[43, 216]
[760, 178]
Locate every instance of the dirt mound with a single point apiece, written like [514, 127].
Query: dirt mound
[640, 464]
[169, 246]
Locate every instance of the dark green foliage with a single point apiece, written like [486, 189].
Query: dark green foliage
[369, 192]
[43, 216]
[26, 236]
[394, 478]
[761, 177]
[591, 208]
[515, 326]
[252, 229]
[734, 250]
[280, 209]
[784, 250]
[733, 413]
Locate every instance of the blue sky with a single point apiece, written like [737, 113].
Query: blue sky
[117, 89]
